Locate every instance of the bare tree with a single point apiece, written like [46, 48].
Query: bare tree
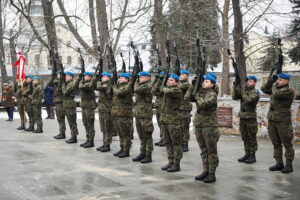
[93, 24]
[2, 52]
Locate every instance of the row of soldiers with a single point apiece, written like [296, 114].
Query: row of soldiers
[173, 111]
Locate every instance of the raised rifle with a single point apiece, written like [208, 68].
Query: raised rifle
[123, 63]
[177, 61]
[113, 80]
[237, 82]
[279, 64]
[61, 67]
[167, 68]
[200, 66]
[136, 68]
[82, 68]
[159, 63]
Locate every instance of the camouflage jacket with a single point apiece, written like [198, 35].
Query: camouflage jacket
[105, 100]
[249, 99]
[170, 105]
[143, 100]
[184, 105]
[19, 95]
[7, 98]
[87, 94]
[156, 92]
[37, 94]
[27, 92]
[122, 101]
[58, 94]
[280, 101]
[69, 89]
[207, 103]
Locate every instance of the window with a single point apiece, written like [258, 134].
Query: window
[69, 60]
[37, 59]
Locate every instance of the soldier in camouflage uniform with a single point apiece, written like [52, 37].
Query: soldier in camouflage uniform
[37, 96]
[280, 123]
[122, 114]
[206, 126]
[8, 101]
[58, 101]
[69, 89]
[157, 105]
[143, 116]
[20, 104]
[104, 109]
[248, 123]
[185, 109]
[27, 92]
[170, 122]
[88, 105]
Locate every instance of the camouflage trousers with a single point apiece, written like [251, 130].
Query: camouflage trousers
[185, 127]
[158, 112]
[29, 111]
[124, 128]
[172, 136]
[88, 119]
[248, 129]
[37, 116]
[72, 117]
[60, 116]
[145, 129]
[207, 139]
[21, 109]
[106, 127]
[281, 133]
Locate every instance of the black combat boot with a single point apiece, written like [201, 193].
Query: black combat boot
[277, 167]
[210, 178]
[72, 140]
[251, 159]
[82, 145]
[105, 148]
[157, 143]
[201, 176]
[242, 159]
[175, 167]
[123, 154]
[39, 130]
[21, 128]
[185, 147]
[100, 148]
[167, 166]
[60, 136]
[29, 129]
[118, 153]
[138, 158]
[147, 159]
[288, 167]
[89, 144]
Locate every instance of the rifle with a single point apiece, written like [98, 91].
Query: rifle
[279, 64]
[137, 67]
[200, 66]
[167, 69]
[159, 63]
[177, 61]
[54, 67]
[62, 73]
[81, 62]
[237, 81]
[113, 80]
[123, 63]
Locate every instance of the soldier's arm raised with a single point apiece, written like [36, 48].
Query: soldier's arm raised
[236, 93]
[142, 89]
[207, 101]
[284, 93]
[123, 91]
[156, 88]
[189, 94]
[172, 92]
[251, 98]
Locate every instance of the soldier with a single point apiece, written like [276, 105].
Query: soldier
[122, 113]
[170, 122]
[157, 105]
[69, 89]
[248, 123]
[20, 104]
[185, 109]
[37, 96]
[143, 116]
[27, 92]
[104, 109]
[280, 123]
[8, 101]
[88, 106]
[48, 100]
[58, 101]
[206, 126]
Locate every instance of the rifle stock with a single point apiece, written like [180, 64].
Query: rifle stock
[200, 66]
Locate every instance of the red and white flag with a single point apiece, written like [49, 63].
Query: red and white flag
[21, 64]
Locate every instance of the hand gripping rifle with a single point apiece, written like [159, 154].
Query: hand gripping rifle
[200, 66]
[177, 61]
[279, 64]
[167, 68]
[237, 82]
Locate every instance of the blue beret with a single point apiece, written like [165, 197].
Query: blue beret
[69, 73]
[284, 76]
[88, 73]
[184, 71]
[209, 77]
[162, 73]
[107, 74]
[125, 75]
[174, 76]
[251, 77]
[213, 75]
[35, 77]
[28, 76]
[129, 74]
[144, 73]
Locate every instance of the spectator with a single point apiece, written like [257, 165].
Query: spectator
[48, 100]
[8, 100]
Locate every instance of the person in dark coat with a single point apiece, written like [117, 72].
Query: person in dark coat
[8, 100]
[48, 100]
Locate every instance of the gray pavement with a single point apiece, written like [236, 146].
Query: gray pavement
[38, 167]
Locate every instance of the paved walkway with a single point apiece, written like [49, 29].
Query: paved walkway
[37, 167]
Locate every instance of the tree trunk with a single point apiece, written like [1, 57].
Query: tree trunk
[13, 55]
[159, 30]
[225, 45]
[238, 37]
[2, 54]
[93, 24]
